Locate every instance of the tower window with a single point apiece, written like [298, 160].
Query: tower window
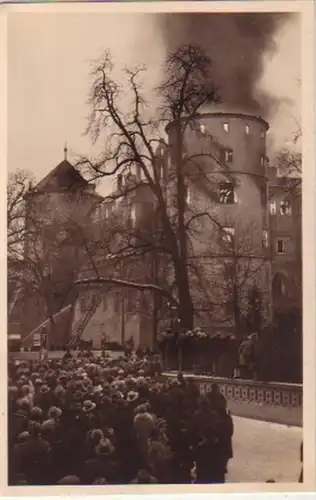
[247, 129]
[265, 238]
[226, 155]
[262, 135]
[226, 127]
[279, 286]
[227, 195]
[262, 162]
[132, 214]
[285, 208]
[202, 128]
[228, 234]
[280, 246]
[273, 207]
[169, 161]
[187, 195]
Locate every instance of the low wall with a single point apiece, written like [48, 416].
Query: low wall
[252, 392]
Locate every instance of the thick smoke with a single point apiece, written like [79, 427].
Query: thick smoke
[236, 44]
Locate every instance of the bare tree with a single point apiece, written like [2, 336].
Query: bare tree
[132, 144]
[223, 274]
[57, 243]
[17, 186]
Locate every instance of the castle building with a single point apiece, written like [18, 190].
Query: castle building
[120, 313]
[225, 159]
[246, 236]
[56, 212]
[232, 255]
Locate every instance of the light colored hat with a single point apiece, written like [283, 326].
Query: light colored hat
[98, 389]
[88, 406]
[132, 396]
[44, 389]
[23, 436]
[105, 447]
[48, 425]
[54, 412]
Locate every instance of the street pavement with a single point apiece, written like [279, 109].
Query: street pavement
[288, 416]
[263, 451]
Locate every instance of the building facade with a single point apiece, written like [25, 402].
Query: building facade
[285, 214]
[120, 313]
[232, 256]
[57, 211]
[246, 237]
[231, 241]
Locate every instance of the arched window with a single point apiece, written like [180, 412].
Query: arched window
[279, 285]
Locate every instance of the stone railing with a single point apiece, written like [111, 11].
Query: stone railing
[250, 391]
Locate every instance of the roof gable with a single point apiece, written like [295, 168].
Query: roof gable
[62, 177]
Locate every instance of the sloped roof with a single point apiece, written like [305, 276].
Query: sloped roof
[64, 176]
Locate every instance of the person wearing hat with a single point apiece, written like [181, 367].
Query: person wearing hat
[88, 406]
[18, 421]
[93, 438]
[54, 413]
[45, 398]
[143, 426]
[102, 464]
[34, 460]
[15, 457]
[89, 416]
[132, 398]
[210, 468]
[159, 457]
[216, 399]
[36, 414]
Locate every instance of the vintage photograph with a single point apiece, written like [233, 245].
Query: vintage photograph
[154, 248]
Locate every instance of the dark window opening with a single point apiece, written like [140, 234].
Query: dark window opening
[227, 193]
[228, 235]
[285, 208]
[280, 246]
[279, 286]
[226, 156]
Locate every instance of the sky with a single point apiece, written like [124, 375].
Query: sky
[50, 55]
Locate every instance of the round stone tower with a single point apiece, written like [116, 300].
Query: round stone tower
[225, 164]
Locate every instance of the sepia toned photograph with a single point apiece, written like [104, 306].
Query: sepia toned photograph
[154, 248]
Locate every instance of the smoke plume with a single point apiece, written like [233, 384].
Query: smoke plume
[237, 45]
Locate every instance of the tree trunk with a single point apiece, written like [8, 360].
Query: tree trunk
[185, 307]
[155, 320]
[51, 333]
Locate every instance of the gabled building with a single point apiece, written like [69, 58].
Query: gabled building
[120, 313]
[285, 215]
[57, 209]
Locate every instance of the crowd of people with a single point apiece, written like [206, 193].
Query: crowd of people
[99, 420]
